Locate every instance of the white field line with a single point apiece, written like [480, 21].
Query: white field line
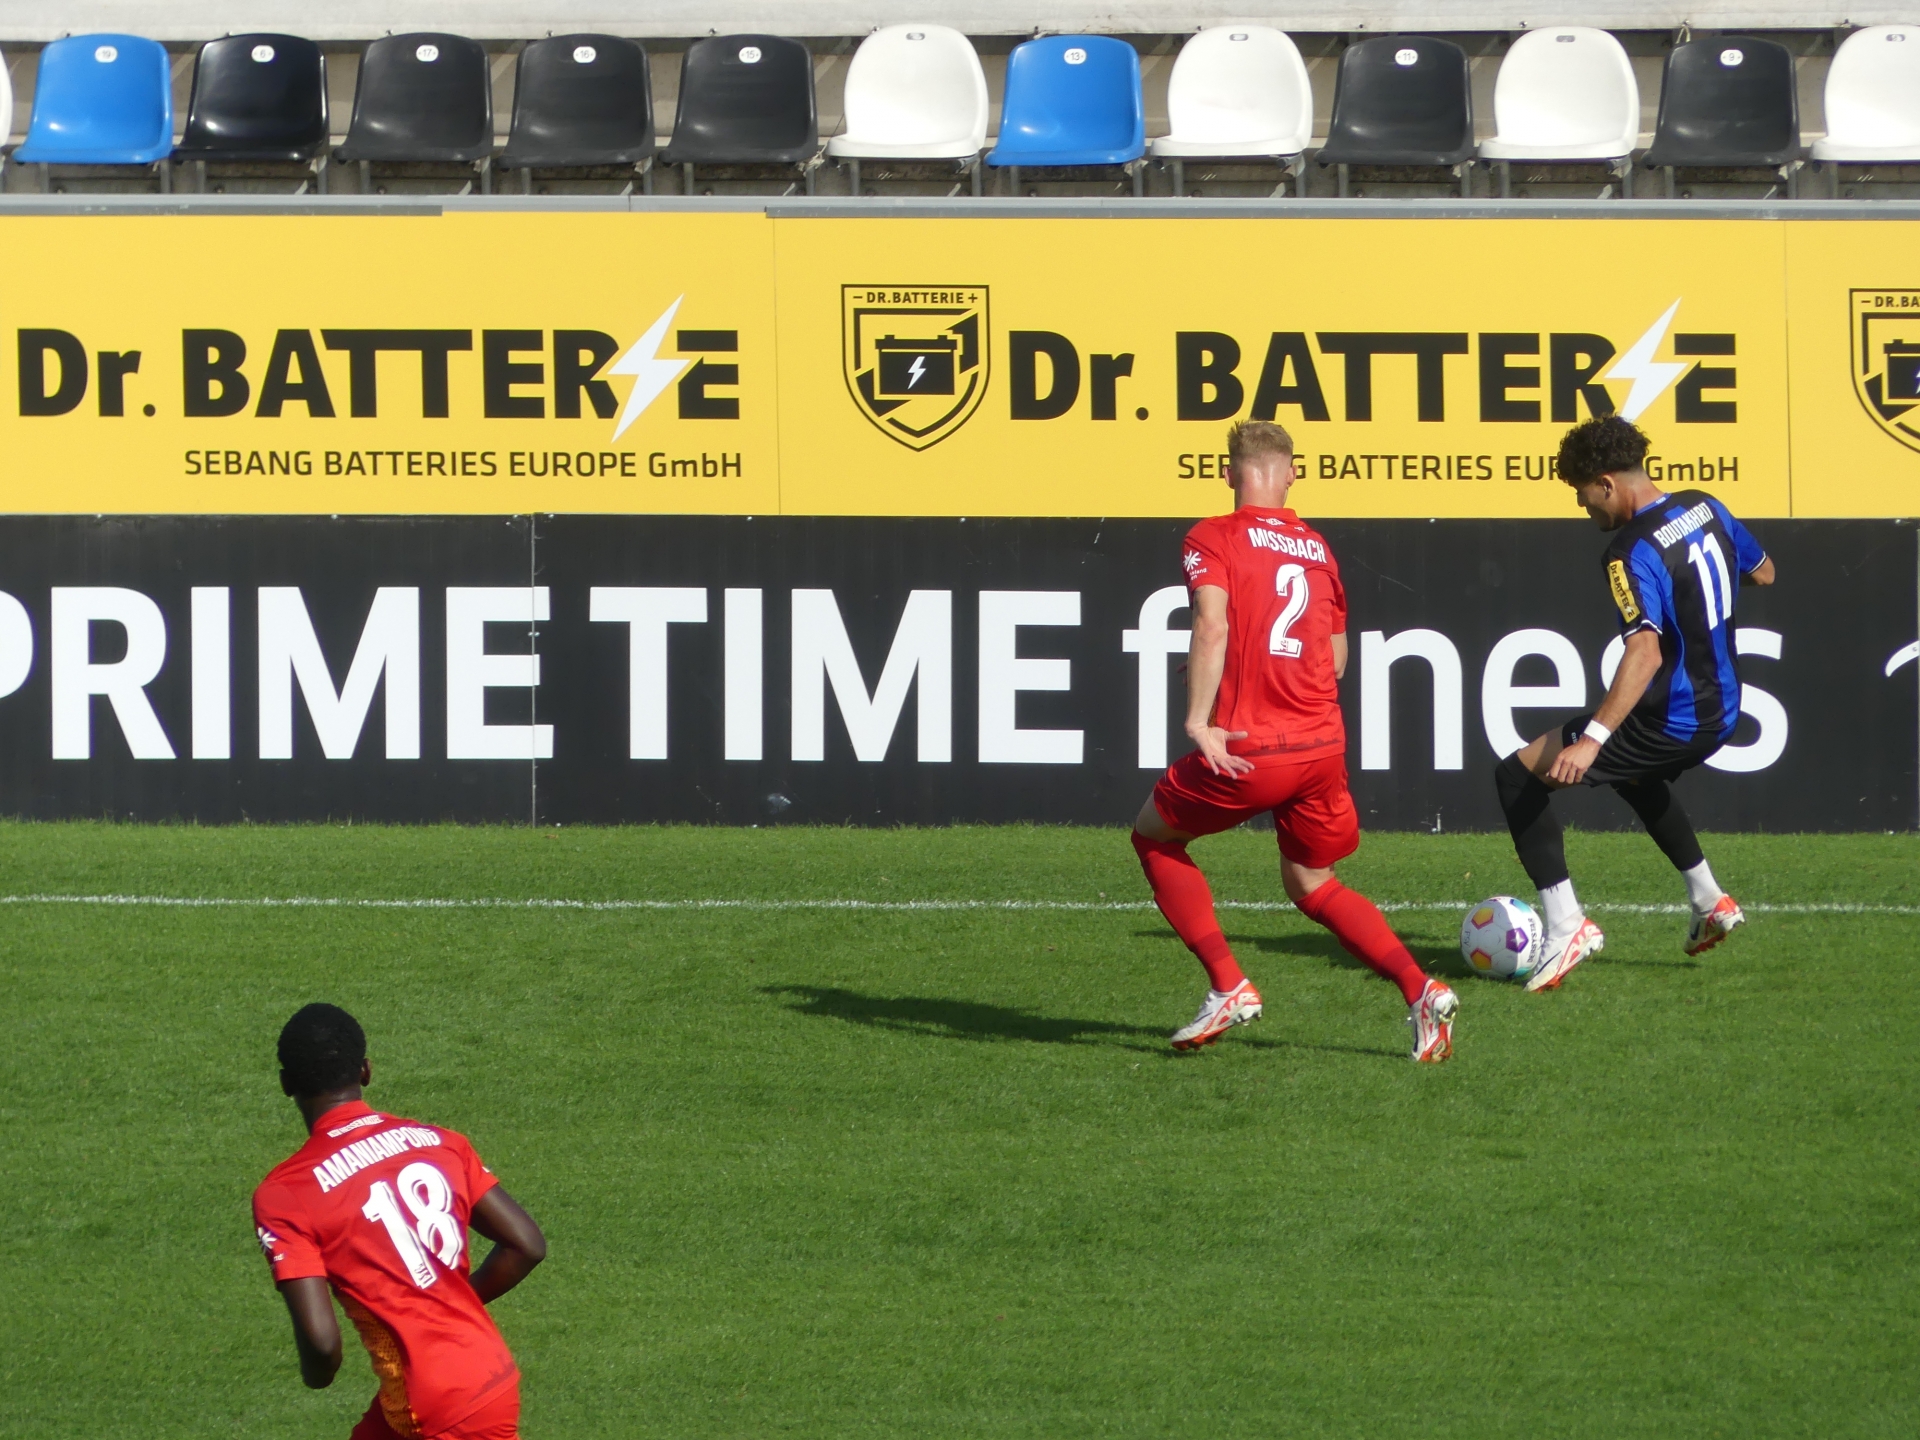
[314, 902]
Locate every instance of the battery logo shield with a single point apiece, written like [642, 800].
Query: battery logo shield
[915, 357]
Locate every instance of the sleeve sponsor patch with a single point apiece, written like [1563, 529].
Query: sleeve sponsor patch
[1622, 587]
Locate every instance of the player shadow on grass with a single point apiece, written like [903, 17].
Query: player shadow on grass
[972, 1020]
[1441, 960]
[958, 1019]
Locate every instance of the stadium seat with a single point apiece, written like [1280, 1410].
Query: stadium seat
[1873, 99]
[1730, 102]
[745, 100]
[422, 99]
[580, 100]
[1236, 92]
[256, 98]
[914, 92]
[1072, 100]
[1564, 93]
[101, 100]
[1401, 100]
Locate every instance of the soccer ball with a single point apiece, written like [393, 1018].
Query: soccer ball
[1502, 938]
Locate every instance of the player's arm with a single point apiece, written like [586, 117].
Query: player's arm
[1206, 663]
[316, 1331]
[518, 1245]
[1753, 563]
[1340, 656]
[1637, 668]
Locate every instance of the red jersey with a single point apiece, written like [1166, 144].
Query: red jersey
[378, 1206]
[1284, 603]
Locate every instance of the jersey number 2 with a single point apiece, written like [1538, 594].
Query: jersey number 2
[1290, 584]
[434, 1227]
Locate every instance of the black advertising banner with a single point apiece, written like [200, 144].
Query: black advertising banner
[742, 670]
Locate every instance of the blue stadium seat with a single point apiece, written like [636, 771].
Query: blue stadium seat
[100, 100]
[1072, 100]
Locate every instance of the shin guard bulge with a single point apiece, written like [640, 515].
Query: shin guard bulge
[1666, 821]
[1182, 893]
[1528, 806]
[1356, 922]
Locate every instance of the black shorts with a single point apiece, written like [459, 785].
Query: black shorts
[1638, 751]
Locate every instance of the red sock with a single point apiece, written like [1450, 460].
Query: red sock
[1356, 922]
[1181, 892]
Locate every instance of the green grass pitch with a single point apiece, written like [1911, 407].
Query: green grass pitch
[833, 1173]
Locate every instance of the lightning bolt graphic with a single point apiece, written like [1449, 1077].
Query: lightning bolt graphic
[1650, 377]
[916, 370]
[650, 374]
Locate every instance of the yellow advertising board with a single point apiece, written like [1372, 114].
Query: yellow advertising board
[456, 364]
[1853, 311]
[1423, 368]
[741, 363]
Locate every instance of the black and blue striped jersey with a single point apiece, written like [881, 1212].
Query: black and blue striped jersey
[1675, 568]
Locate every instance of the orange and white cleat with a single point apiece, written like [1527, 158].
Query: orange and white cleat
[1708, 930]
[1585, 943]
[1219, 1014]
[1431, 1017]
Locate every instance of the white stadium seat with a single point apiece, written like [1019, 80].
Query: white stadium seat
[1237, 90]
[1873, 98]
[914, 92]
[1565, 92]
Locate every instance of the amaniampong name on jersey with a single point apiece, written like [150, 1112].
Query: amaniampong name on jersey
[350, 1160]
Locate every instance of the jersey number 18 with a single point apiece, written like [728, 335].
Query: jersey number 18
[434, 1228]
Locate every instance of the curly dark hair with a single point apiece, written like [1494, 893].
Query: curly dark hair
[321, 1049]
[1604, 445]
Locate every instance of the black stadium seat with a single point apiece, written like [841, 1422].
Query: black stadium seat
[1727, 101]
[423, 99]
[580, 100]
[1400, 100]
[257, 98]
[745, 100]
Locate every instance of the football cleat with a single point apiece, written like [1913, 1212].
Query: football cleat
[1585, 942]
[1431, 1017]
[1708, 930]
[1216, 1017]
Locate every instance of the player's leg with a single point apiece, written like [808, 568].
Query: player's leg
[1526, 798]
[1181, 891]
[1715, 913]
[1317, 826]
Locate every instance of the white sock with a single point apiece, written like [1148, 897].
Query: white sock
[1562, 909]
[1702, 888]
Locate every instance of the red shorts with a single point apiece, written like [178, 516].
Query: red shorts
[497, 1419]
[1313, 815]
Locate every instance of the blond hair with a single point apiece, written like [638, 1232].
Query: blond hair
[1254, 439]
